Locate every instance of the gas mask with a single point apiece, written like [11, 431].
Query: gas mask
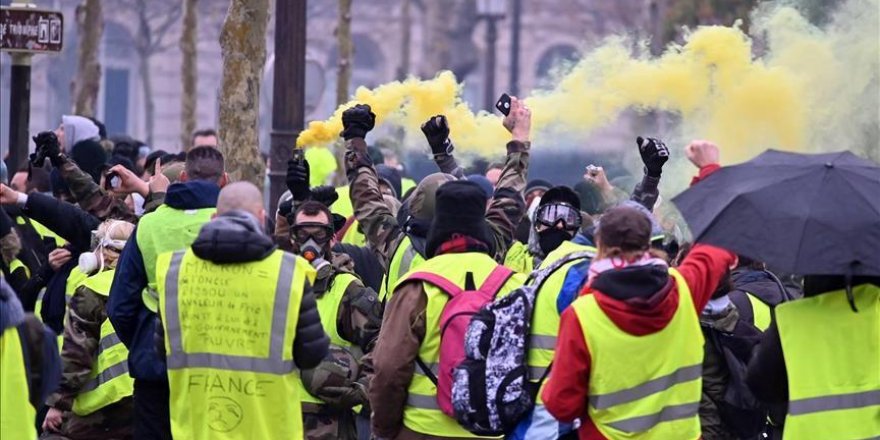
[93, 261]
[312, 240]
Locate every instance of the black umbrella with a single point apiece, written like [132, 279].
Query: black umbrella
[809, 214]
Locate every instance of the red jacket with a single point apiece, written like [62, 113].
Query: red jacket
[566, 391]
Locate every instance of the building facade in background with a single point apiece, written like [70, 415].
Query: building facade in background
[551, 32]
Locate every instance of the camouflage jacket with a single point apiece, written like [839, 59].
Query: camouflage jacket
[357, 321]
[381, 227]
[91, 197]
[359, 314]
[87, 310]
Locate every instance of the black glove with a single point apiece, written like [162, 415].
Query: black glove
[436, 130]
[357, 122]
[47, 146]
[297, 179]
[325, 194]
[654, 154]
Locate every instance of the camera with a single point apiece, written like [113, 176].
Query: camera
[47, 147]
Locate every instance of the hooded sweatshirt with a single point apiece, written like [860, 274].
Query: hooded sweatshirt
[134, 323]
[237, 237]
[76, 130]
[640, 300]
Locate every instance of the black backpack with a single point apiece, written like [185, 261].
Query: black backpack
[491, 388]
[741, 413]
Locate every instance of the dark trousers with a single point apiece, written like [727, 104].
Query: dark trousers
[152, 420]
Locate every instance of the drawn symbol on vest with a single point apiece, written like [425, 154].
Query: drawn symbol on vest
[224, 414]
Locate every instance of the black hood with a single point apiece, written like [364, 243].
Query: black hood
[233, 237]
[633, 282]
[758, 283]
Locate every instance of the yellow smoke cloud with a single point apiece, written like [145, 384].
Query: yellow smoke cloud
[808, 88]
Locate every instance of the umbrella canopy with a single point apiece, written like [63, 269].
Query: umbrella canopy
[808, 214]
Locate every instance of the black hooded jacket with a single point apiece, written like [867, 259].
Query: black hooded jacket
[237, 237]
[767, 375]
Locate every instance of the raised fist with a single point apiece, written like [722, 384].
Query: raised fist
[357, 121]
[702, 153]
[436, 130]
[297, 179]
[654, 154]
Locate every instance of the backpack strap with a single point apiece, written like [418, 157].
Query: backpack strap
[440, 282]
[496, 280]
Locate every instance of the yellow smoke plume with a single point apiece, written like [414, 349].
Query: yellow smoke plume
[810, 89]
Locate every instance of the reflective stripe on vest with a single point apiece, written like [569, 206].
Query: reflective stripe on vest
[229, 332]
[328, 309]
[545, 317]
[166, 230]
[647, 385]
[273, 364]
[109, 381]
[404, 259]
[17, 264]
[832, 360]
[17, 415]
[422, 413]
[760, 312]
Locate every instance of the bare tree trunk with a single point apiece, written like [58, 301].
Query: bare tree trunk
[144, 50]
[188, 73]
[436, 39]
[243, 45]
[147, 89]
[405, 40]
[90, 26]
[346, 51]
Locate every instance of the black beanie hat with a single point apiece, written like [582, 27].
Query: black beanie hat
[460, 209]
[90, 157]
[561, 194]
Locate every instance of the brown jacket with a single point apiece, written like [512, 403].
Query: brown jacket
[380, 224]
[403, 330]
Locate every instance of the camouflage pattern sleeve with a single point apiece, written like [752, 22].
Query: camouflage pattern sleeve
[646, 192]
[82, 332]
[507, 206]
[359, 316]
[153, 201]
[92, 198]
[82, 187]
[375, 217]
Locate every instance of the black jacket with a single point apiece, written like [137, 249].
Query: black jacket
[68, 221]
[237, 237]
[767, 376]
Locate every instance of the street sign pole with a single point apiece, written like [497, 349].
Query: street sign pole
[24, 31]
[19, 110]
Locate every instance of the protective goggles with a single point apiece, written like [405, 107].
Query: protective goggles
[552, 213]
[319, 232]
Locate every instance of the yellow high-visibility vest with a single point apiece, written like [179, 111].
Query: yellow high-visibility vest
[109, 381]
[17, 415]
[761, 316]
[422, 412]
[166, 230]
[229, 332]
[519, 259]
[404, 259]
[328, 309]
[648, 386]
[832, 358]
[545, 317]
